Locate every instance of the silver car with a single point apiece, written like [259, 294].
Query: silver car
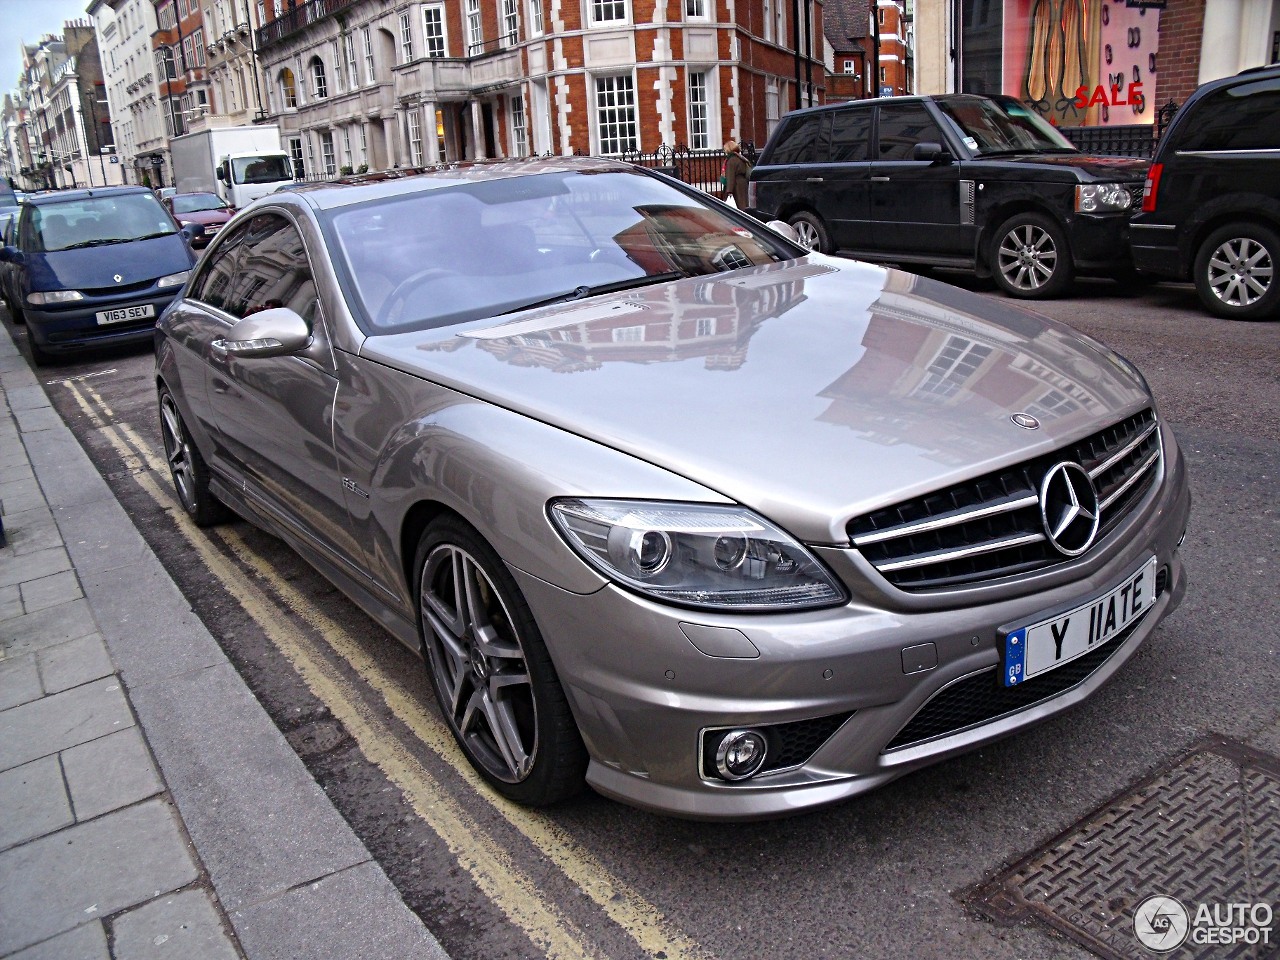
[671, 506]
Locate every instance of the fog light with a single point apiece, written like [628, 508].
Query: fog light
[740, 754]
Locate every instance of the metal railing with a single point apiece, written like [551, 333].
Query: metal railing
[698, 168]
[297, 18]
[1137, 140]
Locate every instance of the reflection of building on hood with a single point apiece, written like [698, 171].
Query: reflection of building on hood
[691, 240]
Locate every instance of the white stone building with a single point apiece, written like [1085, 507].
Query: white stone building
[124, 29]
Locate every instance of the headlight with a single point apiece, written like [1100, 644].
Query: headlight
[173, 279]
[1101, 197]
[697, 555]
[54, 296]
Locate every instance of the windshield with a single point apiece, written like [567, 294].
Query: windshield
[1003, 125]
[195, 202]
[98, 221]
[260, 169]
[447, 255]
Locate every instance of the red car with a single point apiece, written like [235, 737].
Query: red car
[207, 209]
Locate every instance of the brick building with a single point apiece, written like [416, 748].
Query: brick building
[363, 83]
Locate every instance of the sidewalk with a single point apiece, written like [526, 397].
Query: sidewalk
[150, 808]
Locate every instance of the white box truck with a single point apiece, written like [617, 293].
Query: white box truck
[240, 164]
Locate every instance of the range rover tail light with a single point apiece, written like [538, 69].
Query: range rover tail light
[1151, 188]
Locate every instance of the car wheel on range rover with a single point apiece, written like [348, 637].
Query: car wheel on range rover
[1235, 272]
[1030, 258]
[811, 231]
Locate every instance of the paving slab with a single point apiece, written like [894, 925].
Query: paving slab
[110, 773]
[50, 591]
[154, 641]
[261, 823]
[34, 802]
[19, 681]
[19, 495]
[182, 926]
[75, 662]
[11, 602]
[45, 628]
[86, 942]
[43, 727]
[355, 913]
[29, 397]
[66, 473]
[100, 536]
[94, 869]
[33, 566]
[37, 418]
[31, 530]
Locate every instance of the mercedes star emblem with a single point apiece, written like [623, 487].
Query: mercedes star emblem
[1025, 420]
[1069, 508]
[117, 278]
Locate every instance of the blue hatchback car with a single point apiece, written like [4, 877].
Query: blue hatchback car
[90, 268]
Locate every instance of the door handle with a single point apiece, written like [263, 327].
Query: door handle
[879, 179]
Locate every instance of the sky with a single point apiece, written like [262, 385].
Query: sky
[26, 21]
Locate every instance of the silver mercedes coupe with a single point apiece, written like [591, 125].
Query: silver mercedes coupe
[671, 506]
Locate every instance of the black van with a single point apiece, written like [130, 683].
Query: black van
[1211, 208]
[981, 183]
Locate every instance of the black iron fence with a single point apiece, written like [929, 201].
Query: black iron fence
[1138, 140]
[698, 168]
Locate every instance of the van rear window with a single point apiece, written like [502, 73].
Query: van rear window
[1243, 117]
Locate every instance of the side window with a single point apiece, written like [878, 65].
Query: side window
[272, 270]
[902, 126]
[799, 142]
[851, 135]
[1243, 117]
[215, 278]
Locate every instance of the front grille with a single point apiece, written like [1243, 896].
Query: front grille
[989, 528]
[119, 288]
[790, 744]
[981, 698]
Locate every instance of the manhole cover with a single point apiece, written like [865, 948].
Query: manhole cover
[1204, 836]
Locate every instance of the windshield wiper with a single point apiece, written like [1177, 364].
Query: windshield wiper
[107, 241]
[578, 293]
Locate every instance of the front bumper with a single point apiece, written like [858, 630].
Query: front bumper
[74, 327]
[643, 694]
[1099, 242]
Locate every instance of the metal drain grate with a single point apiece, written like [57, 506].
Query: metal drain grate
[1205, 831]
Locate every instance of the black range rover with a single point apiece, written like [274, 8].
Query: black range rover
[981, 183]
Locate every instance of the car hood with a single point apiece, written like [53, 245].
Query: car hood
[1100, 168]
[105, 267]
[205, 217]
[812, 390]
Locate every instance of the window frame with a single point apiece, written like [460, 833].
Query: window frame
[428, 39]
[319, 78]
[596, 9]
[406, 37]
[600, 125]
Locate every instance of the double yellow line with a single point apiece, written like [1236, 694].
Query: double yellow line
[490, 866]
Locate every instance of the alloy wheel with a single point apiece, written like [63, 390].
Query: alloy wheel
[177, 450]
[1027, 257]
[1240, 272]
[808, 235]
[478, 664]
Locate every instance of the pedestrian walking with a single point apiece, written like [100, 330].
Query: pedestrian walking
[737, 169]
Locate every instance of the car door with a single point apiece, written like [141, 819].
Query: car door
[842, 191]
[274, 415]
[915, 204]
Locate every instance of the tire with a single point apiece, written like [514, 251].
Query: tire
[812, 231]
[1235, 272]
[39, 355]
[1030, 258]
[491, 671]
[187, 467]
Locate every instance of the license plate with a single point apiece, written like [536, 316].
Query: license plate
[125, 314]
[1040, 647]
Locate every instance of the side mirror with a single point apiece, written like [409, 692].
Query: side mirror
[784, 228]
[930, 152]
[192, 230]
[221, 175]
[276, 332]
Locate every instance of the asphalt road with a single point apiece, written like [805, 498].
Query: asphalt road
[882, 875]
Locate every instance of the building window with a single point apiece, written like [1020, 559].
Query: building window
[339, 74]
[319, 84]
[406, 39]
[364, 145]
[699, 110]
[366, 34]
[188, 57]
[519, 128]
[433, 30]
[695, 9]
[288, 89]
[772, 99]
[510, 22]
[851, 67]
[346, 148]
[164, 63]
[616, 115]
[349, 54]
[608, 11]
[535, 18]
[475, 33]
[775, 21]
[415, 136]
[326, 153]
[197, 39]
[311, 154]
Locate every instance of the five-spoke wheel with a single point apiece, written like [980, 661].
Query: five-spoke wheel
[491, 671]
[187, 467]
